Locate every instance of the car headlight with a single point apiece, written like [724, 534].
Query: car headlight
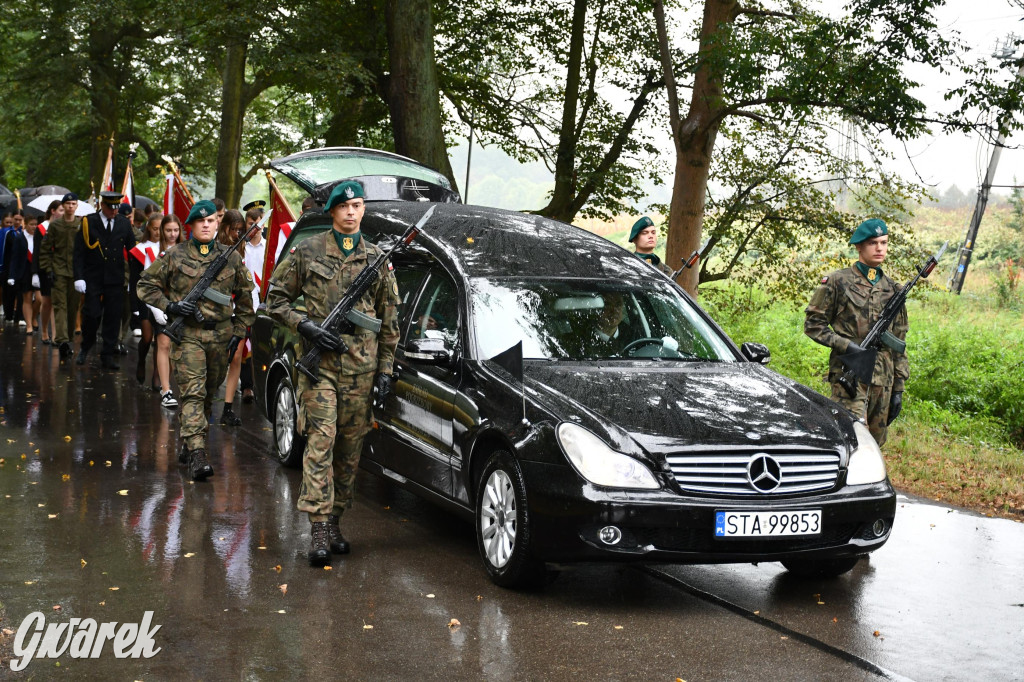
[866, 463]
[599, 464]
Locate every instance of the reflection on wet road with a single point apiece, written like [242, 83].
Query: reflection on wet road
[99, 520]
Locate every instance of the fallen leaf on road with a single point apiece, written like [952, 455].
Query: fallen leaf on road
[283, 588]
[65, 477]
[328, 568]
[67, 439]
[84, 562]
[579, 622]
[618, 627]
[821, 603]
[8, 632]
[261, 547]
[430, 596]
[454, 623]
[479, 598]
[367, 627]
[40, 505]
[91, 462]
[783, 637]
[281, 611]
[189, 555]
[122, 492]
[56, 607]
[107, 463]
[835, 620]
[876, 633]
[52, 516]
[114, 589]
[29, 582]
[103, 603]
[278, 568]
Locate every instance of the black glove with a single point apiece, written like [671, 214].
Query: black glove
[233, 346]
[181, 309]
[314, 333]
[854, 347]
[895, 406]
[383, 385]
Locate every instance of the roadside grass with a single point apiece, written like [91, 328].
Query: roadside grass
[961, 433]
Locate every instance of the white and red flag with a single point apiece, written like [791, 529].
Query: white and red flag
[128, 186]
[281, 223]
[107, 181]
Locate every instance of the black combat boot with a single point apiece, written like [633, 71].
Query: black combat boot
[183, 454]
[198, 467]
[82, 355]
[64, 349]
[339, 545]
[319, 553]
[228, 416]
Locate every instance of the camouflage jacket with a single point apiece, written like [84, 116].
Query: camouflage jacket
[655, 263]
[317, 270]
[58, 248]
[172, 275]
[842, 309]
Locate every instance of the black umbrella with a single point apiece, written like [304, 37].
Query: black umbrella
[142, 202]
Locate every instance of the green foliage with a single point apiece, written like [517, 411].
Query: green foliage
[966, 357]
[1008, 285]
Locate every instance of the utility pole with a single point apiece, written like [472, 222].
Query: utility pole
[1004, 50]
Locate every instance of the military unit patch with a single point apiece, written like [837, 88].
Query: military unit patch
[346, 243]
[204, 249]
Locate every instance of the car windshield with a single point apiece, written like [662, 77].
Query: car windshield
[317, 169]
[574, 319]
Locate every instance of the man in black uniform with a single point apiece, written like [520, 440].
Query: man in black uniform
[99, 264]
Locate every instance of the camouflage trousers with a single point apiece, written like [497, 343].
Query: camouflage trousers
[200, 364]
[65, 308]
[334, 415]
[871, 404]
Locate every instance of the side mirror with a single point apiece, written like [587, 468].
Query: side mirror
[756, 352]
[429, 351]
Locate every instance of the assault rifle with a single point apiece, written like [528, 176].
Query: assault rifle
[691, 261]
[202, 287]
[339, 320]
[861, 364]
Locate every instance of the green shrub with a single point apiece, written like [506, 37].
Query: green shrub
[966, 357]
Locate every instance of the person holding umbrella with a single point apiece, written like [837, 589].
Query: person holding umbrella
[100, 275]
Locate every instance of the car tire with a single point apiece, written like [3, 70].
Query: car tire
[820, 568]
[288, 443]
[503, 524]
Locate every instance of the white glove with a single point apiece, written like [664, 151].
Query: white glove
[158, 315]
[10, 282]
[80, 286]
[35, 281]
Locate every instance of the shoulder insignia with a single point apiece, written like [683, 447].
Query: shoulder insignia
[394, 287]
[391, 267]
[824, 280]
[248, 274]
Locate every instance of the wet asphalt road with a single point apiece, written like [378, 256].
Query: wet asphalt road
[98, 519]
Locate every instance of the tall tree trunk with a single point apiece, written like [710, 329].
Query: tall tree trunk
[413, 92]
[561, 205]
[232, 114]
[695, 141]
[103, 100]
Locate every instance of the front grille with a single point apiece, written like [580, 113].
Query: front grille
[800, 471]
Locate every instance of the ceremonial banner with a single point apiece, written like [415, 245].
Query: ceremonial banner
[107, 181]
[128, 186]
[281, 223]
[177, 200]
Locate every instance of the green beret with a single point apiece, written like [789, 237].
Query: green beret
[201, 209]
[344, 191]
[639, 227]
[869, 229]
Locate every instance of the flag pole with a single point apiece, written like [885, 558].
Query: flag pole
[273, 189]
[177, 176]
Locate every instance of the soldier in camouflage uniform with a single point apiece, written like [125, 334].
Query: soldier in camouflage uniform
[334, 414]
[57, 258]
[844, 307]
[644, 236]
[201, 359]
